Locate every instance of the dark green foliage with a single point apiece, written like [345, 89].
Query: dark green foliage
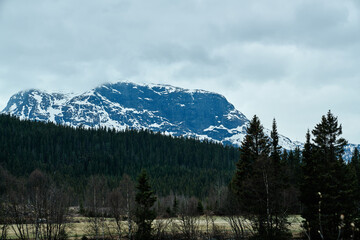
[184, 166]
[260, 183]
[175, 207]
[254, 145]
[144, 214]
[309, 189]
[279, 185]
[329, 186]
[292, 161]
[355, 163]
[169, 212]
[275, 148]
[354, 170]
[294, 164]
[200, 208]
[329, 147]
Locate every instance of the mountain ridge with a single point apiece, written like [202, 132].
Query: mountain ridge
[160, 108]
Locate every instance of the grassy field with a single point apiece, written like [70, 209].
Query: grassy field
[80, 226]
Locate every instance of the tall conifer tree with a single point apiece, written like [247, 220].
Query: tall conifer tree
[259, 182]
[275, 148]
[254, 145]
[309, 190]
[278, 186]
[144, 214]
[329, 211]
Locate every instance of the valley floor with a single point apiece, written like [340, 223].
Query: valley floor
[78, 227]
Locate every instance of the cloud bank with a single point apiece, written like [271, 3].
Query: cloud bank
[292, 60]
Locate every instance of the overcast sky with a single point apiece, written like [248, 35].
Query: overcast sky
[292, 60]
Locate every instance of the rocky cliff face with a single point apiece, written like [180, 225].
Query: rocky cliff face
[160, 108]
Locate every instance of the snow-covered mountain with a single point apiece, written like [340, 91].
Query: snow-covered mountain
[160, 108]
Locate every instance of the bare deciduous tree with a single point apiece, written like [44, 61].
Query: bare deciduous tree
[188, 220]
[121, 202]
[95, 199]
[37, 208]
[5, 178]
[55, 209]
[161, 228]
[233, 216]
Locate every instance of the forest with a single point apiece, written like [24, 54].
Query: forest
[72, 155]
[153, 186]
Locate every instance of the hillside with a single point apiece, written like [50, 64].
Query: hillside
[185, 166]
[159, 108]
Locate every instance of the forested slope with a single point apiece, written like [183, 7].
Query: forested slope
[69, 155]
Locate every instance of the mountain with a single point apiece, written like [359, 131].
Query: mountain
[159, 108]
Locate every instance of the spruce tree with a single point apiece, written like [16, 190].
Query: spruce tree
[328, 144]
[144, 214]
[328, 148]
[277, 206]
[200, 208]
[349, 200]
[275, 148]
[327, 190]
[309, 190]
[254, 145]
[259, 182]
[354, 172]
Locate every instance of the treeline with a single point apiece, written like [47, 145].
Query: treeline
[176, 164]
[254, 188]
[35, 207]
[326, 189]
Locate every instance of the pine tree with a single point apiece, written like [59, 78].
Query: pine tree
[254, 145]
[200, 208]
[259, 182]
[144, 214]
[329, 146]
[309, 190]
[275, 148]
[277, 207]
[254, 150]
[349, 200]
[354, 172]
[327, 190]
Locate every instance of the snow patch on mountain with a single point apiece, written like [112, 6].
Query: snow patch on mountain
[160, 108]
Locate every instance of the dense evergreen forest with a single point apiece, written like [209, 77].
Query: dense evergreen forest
[183, 166]
[254, 188]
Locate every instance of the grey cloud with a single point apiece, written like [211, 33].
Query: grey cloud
[170, 52]
[223, 46]
[323, 24]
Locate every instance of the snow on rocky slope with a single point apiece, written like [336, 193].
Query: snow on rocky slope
[160, 108]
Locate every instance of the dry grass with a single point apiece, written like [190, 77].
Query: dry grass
[79, 226]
